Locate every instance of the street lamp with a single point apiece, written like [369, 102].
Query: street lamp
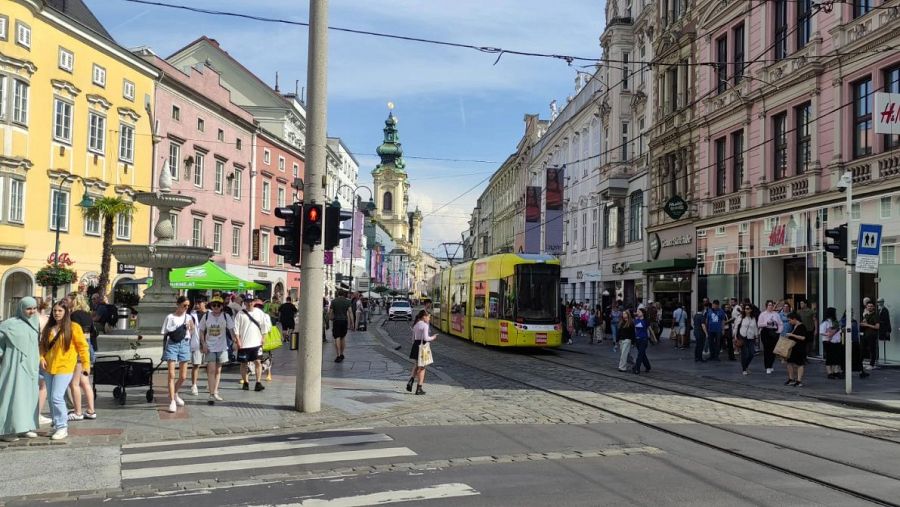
[370, 207]
[86, 202]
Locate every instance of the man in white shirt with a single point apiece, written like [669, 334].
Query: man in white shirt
[214, 327]
[250, 325]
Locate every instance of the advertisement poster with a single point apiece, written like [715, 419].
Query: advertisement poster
[532, 220]
[553, 216]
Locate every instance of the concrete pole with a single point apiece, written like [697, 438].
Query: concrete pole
[848, 325]
[308, 393]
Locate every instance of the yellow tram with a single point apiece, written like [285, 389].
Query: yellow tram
[507, 300]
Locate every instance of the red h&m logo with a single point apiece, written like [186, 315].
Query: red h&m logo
[891, 113]
[776, 237]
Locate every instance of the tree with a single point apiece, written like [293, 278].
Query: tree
[107, 209]
[380, 289]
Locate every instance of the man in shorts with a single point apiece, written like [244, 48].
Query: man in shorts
[250, 325]
[214, 328]
[341, 316]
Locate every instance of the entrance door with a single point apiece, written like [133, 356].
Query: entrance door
[795, 280]
[18, 285]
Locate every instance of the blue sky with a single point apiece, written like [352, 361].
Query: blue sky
[451, 103]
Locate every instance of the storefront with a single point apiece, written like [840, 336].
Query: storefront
[669, 270]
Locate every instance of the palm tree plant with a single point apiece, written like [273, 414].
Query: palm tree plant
[107, 209]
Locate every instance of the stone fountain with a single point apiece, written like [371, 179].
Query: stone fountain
[162, 256]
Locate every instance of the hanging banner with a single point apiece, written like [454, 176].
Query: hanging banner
[532, 220]
[553, 215]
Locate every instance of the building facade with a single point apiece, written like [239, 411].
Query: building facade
[75, 111]
[342, 179]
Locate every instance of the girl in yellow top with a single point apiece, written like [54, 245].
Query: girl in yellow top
[62, 344]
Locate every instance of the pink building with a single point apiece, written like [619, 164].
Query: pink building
[207, 147]
[780, 118]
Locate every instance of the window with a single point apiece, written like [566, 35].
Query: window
[199, 159]
[855, 211]
[861, 7]
[235, 241]
[281, 164]
[584, 230]
[279, 259]
[220, 174]
[886, 207]
[625, 72]
[3, 89]
[20, 102]
[624, 141]
[296, 171]
[59, 210]
[4, 27]
[237, 144]
[62, 121]
[720, 230]
[266, 196]
[781, 29]
[267, 156]
[862, 118]
[281, 196]
[804, 23]
[16, 211]
[23, 35]
[594, 228]
[176, 113]
[96, 133]
[197, 232]
[892, 85]
[574, 231]
[123, 226]
[888, 254]
[220, 135]
[672, 95]
[174, 157]
[388, 202]
[66, 59]
[779, 131]
[174, 219]
[238, 175]
[612, 227]
[720, 166]
[802, 116]
[721, 64]
[98, 76]
[643, 53]
[636, 216]
[719, 262]
[737, 160]
[126, 143]
[128, 89]
[264, 247]
[217, 237]
[738, 53]
[201, 125]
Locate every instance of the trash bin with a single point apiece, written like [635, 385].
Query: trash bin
[122, 323]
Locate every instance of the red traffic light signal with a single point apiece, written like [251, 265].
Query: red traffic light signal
[312, 224]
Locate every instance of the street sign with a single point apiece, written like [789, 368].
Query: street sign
[868, 248]
[675, 207]
[329, 257]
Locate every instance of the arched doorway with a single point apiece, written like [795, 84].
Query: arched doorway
[17, 285]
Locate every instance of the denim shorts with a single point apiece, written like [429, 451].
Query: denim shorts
[177, 351]
[217, 357]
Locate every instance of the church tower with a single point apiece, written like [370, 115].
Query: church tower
[392, 185]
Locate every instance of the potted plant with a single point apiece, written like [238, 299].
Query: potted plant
[55, 276]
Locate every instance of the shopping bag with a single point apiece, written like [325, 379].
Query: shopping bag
[706, 352]
[784, 346]
[272, 340]
[425, 357]
[666, 334]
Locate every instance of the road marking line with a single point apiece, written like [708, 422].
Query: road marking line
[226, 466]
[248, 448]
[451, 490]
[182, 443]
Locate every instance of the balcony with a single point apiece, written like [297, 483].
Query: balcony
[614, 187]
[800, 185]
[863, 30]
[726, 204]
[799, 66]
[875, 168]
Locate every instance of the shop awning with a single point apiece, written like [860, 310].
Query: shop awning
[208, 276]
[665, 265]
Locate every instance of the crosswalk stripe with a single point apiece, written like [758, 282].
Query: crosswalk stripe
[281, 461]
[439, 491]
[181, 443]
[254, 448]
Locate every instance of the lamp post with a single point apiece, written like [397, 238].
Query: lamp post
[370, 207]
[86, 202]
[847, 180]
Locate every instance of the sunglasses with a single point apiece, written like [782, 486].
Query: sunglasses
[186, 305]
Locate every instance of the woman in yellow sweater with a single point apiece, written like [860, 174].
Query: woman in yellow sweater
[62, 344]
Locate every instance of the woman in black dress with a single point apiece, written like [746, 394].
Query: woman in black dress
[797, 359]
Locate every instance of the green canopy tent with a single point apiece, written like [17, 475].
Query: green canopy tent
[209, 276]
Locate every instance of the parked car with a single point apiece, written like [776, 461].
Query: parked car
[400, 309]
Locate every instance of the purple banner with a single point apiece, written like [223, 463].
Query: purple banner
[532, 220]
[553, 216]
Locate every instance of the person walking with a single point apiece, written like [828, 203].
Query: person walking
[770, 328]
[62, 345]
[728, 332]
[287, 314]
[884, 324]
[570, 323]
[829, 330]
[598, 324]
[796, 360]
[250, 325]
[870, 328]
[196, 354]
[19, 372]
[625, 338]
[341, 315]
[615, 317]
[642, 334]
[214, 328]
[177, 329]
[856, 358]
[746, 330]
[713, 324]
[679, 326]
[700, 332]
[81, 384]
[420, 336]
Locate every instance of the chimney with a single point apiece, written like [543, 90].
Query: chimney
[276, 82]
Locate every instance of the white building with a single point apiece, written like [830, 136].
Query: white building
[341, 181]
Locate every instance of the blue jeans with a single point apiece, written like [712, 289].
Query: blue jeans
[614, 327]
[747, 353]
[641, 358]
[57, 385]
[700, 338]
[715, 343]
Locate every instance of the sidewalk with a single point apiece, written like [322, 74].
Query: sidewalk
[880, 391]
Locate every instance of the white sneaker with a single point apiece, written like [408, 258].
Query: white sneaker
[746, 372]
[194, 390]
[60, 434]
[868, 367]
[29, 434]
[179, 401]
[43, 421]
[769, 371]
[217, 397]
[172, 406]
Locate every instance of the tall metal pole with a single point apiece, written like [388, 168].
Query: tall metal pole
[308, 393]
[848, 325]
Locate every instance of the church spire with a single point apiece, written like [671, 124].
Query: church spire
[391, 151]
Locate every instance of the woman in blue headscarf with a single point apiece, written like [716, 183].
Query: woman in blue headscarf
[19, 360]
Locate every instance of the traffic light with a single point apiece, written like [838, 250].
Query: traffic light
[334, 215]
[291, 232]
[838, 247]
[312, 224]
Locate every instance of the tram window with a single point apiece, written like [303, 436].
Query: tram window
[479, 306]
[508, 298]
[494, 299]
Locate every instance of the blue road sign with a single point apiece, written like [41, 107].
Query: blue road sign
[869, 241]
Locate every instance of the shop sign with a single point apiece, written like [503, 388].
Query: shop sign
[126, 269]
[887, 113]
[655, 246]
[620, 267]
[254, 245]
[329, 257]
[64, 259]
[777, 236]
[675, 207]
[684, 239]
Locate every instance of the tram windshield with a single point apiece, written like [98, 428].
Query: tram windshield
[538, 293]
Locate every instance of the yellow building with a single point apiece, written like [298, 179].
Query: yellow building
[74, 119]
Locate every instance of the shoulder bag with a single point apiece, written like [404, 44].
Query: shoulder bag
[425, 357]
[179, 333]
[784, 346]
